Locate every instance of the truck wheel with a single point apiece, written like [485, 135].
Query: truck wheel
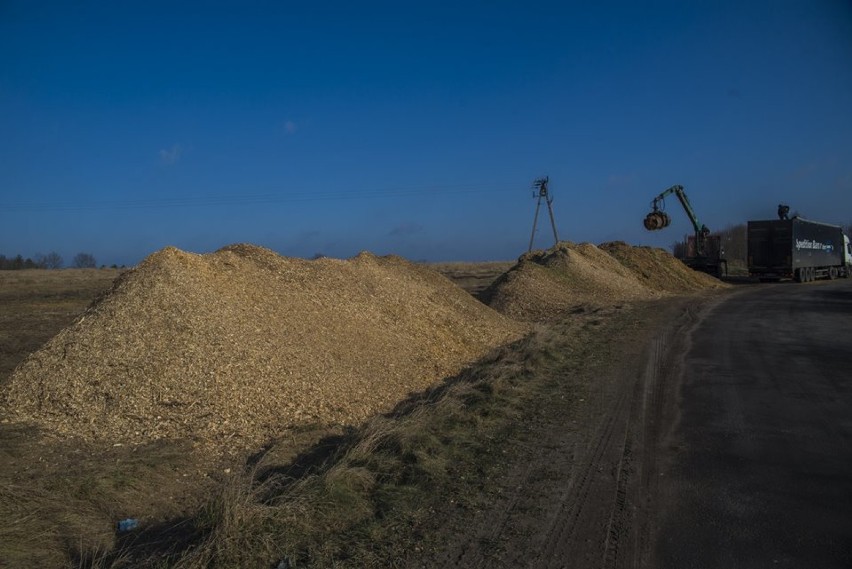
[800, 275]
[832, 273]
[811, 274]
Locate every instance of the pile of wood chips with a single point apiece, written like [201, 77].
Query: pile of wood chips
[545, 285]
[236, 346]
[659, 270]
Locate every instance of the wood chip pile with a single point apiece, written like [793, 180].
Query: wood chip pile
[545, 285]
[238, 345]
[659, 270]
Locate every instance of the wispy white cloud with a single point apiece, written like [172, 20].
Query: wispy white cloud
[171, 155]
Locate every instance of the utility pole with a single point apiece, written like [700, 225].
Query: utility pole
[541, 192]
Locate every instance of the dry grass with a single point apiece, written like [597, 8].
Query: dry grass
[60, 500]
[366, 504]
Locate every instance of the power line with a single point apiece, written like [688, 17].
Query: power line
[251, 199]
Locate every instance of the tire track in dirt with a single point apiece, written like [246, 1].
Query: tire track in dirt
[653, 415]
[472, 557]
[591, 510]
[647, 398]
[597, 523]
[562, 529]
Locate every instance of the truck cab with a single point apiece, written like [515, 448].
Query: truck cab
[847, 255]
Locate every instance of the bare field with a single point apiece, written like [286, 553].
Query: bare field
[473, 277]
[36, 304]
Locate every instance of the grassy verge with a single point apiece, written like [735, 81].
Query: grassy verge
[372, 501]
[60, 500]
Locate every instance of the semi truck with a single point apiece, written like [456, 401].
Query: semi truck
[798, 249]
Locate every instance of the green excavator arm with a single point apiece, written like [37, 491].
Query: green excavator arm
[658, 218]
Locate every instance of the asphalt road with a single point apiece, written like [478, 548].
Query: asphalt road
[757, 468]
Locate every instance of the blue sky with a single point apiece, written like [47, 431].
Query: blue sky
[414, 128]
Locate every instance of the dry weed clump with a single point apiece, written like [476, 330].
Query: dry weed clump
[235, 346]
[544, 285]
[659, 270]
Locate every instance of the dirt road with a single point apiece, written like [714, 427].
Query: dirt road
[578, 492]
[717, 436]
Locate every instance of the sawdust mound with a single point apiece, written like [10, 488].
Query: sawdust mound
[243, 343]
[658, 270]
[544, 285]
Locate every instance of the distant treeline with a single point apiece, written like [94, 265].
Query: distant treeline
[48, 261]
[18, 262]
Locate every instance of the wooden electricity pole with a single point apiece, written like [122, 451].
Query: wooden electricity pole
[543, 193]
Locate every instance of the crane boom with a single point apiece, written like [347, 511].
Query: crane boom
[684, 201]
[658, 218]
[707, 252]
[678, 191]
